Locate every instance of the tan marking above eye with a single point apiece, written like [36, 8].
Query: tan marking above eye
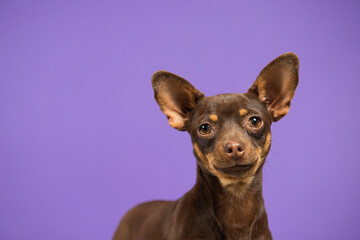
[213, 117]
[243, 112]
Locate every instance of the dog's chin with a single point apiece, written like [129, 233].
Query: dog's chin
[236, 170]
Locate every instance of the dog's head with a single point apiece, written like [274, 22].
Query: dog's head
[230, 132]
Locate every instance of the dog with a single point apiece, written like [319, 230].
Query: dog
[231, 138]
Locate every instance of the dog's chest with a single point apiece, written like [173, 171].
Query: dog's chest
[237, 216]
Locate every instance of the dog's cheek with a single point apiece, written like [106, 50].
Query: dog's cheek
[205, 155]
[198, 152]
[267, 144]
[263, 148]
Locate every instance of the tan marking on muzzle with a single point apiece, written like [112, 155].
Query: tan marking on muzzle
[213, 117]
[259, 159]
[210, 157]
[259, 151]
[198, 152]
[267, 142]
[243, 112]
[239, 185]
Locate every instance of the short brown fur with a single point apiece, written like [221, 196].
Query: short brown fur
[231, 138]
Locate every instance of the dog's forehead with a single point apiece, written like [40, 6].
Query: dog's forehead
[227, 99]
[226, 103]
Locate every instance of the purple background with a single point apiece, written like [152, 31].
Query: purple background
[82, 139]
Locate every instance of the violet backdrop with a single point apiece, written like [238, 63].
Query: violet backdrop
[82, 140]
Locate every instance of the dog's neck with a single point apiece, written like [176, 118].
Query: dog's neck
[237, 214]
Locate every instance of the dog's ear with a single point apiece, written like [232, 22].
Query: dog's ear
[176, 97]
[275, 86]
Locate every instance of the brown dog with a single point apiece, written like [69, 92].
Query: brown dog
[231, 138]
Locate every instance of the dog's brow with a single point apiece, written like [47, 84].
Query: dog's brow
[213, 117]
[243, 112]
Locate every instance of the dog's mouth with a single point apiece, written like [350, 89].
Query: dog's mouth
[237, 170]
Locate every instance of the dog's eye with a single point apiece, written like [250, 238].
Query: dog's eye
[255, 122]
[205, 129]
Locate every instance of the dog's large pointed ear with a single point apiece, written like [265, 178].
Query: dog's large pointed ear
[176, 97]
[275, 86]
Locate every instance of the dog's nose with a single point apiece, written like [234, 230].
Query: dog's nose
[234, 150]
